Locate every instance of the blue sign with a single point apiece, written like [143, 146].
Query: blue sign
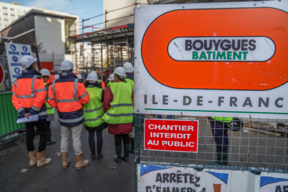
[25, 49]
[13, 52]
[15, 58]
[16, 64]
[17, 70]
[12, 47]
[22, 53]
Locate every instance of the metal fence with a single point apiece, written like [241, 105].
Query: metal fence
[259, 147]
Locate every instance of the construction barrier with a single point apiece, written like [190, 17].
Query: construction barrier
[258, 150]
[196, 64]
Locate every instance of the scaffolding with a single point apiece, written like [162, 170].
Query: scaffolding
[102, 49]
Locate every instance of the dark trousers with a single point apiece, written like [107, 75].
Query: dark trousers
[220, 133]
[42, 130]
[92, 136]
[49, 131]
[125, 139]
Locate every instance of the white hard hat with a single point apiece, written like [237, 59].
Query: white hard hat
[56, 77]
[27, 60]
[66, 65]
[128, 67]
[45, 72]
[120, 71]
[92, 77]
[79, 76]
[111, 77]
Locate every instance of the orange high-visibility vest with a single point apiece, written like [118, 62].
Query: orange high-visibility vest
[29, 92]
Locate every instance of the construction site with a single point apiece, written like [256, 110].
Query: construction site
[201, 122]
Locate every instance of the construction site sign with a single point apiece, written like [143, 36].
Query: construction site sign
[169, 179]
[171, 135]
[212, 59]
[14, 54]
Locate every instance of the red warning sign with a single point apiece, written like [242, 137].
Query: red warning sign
[1, 75]
[171, 135]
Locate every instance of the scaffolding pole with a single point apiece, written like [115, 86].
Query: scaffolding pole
[101, 61]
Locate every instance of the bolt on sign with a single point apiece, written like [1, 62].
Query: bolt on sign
[212, 59]
[171, 135]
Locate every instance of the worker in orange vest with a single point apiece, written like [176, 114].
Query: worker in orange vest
[28, 98]
[68, 95]
[51, 78]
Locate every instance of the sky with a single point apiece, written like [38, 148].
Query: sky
[83, 8]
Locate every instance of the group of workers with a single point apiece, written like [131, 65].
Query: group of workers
[90, 104]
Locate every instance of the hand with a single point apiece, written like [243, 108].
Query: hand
[27, 115]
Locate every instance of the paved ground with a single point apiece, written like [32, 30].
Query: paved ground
[98, 176]
[247, 148]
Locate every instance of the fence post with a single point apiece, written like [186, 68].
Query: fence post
[137, 144]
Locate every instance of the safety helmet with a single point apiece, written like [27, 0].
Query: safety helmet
[44, 72]
[79, 76]
[128, 67]
[111, 77]
[26, 61]
[56, 77]
[92, 77]
[66, 65]
[120, 71]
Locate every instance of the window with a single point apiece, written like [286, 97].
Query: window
[0, 25]
[12, 9]
[5, 8]
[5, 14]
[5, 19]
[12, 15]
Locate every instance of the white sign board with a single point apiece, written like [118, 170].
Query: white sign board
[160, 179]
[212, 59]
[14, 54]
[152, 178]
[273, 184]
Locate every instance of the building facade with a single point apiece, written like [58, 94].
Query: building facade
[47, 30]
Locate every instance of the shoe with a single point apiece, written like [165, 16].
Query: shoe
[126, 152]
[80, 163]
[41, 161]
[99, 149]
[132, 145]
[117, 157]
[92, 149]
[65, 160]
[51, 142]
[33, 159]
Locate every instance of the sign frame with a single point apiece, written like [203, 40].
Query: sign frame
[156, 97]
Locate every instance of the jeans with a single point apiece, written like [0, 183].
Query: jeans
[76, 134]
[42, 130]
[92, 136]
